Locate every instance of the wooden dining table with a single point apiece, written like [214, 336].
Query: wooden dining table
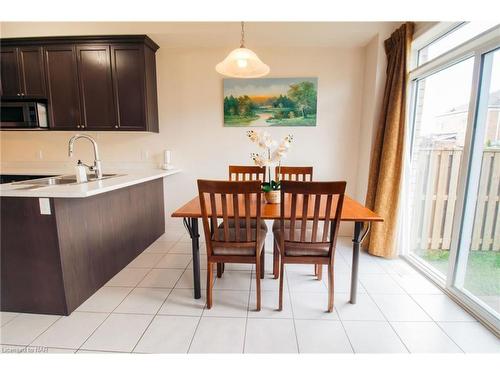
[352, 211]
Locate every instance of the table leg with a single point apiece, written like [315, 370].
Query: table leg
[356, 245]
[191, 225]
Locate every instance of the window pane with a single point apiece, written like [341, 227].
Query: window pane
[454, 38]
[482, 275]
[438, 139]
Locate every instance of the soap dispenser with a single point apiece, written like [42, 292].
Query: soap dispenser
[81, 172]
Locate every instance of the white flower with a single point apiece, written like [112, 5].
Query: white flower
[253, 135]
[259, 160]
[264, 140]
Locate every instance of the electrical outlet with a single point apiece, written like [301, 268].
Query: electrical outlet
[40, 154]
[144, 155]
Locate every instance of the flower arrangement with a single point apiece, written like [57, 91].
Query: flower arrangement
[274, 152]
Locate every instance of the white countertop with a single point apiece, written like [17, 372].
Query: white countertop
[83, 190]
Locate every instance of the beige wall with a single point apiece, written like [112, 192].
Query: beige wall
[190, 113]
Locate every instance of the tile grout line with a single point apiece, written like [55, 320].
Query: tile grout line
[109, 314]
[291, 306]
[432, 319]
[248, 309]
[163, 303]
[386, 319]
[340, 318]
[55, 321]
[416, 302]
[425, 311]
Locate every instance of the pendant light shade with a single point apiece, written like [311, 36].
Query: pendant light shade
[242, 62]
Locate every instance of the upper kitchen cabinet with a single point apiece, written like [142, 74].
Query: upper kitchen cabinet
[129, 79]
[63, 91]
[96, 88]
[89, 82]
[22, 72]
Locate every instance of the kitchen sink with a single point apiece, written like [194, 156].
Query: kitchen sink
[64, 180]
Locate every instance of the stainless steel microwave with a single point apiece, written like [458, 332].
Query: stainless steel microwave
[23, 115]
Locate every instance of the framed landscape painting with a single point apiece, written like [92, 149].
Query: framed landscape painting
[270, 102]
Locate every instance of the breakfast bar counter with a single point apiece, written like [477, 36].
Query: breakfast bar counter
[61, 243]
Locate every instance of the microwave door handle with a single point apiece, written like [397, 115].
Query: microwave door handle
[26, 114]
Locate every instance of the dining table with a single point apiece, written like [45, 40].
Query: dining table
[352, 211]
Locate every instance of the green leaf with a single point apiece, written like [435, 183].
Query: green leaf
[266, 187]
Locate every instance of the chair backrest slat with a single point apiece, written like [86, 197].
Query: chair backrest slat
[303, 224]
[317, 202]
[236, 211]
[225, 219]
[293, 215]
[247, 173]
[328, 210]
[213, 210]
[247, 217]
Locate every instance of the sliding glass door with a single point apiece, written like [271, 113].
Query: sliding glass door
[441, 111]
[477, 268]
[452, 183]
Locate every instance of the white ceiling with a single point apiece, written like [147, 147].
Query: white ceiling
[216, 34]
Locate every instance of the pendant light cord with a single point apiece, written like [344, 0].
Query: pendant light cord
[242, 41]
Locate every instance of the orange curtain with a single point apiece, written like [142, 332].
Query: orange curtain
[386, 166]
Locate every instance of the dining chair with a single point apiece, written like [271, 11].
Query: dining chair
[247, 173]
[240, 201]
[289, 173]
[317, 203]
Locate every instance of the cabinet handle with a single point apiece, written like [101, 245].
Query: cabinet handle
[116, 126]
[18, 94]
[22, 94]
[78, 126]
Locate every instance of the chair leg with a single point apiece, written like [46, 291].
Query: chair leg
[210, 280]
[315, 270]
[330, 286]
[320, 271]
[262, 263]
[219, 269]
[257, 280]
[276, 261]
[281, 276]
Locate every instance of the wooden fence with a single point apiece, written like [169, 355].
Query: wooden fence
[436, 183]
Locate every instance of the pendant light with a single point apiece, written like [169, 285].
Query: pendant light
[242, 62]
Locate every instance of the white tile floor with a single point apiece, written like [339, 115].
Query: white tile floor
[149, 308]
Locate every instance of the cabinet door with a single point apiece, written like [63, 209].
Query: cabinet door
[9, 72]
[96, 87]
[62, 86]
[32, 72]
[129, 84]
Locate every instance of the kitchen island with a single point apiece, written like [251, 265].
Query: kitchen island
[61, 243]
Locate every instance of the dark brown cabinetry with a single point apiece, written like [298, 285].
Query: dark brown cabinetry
[129, 83]
[22, 72]
[96, 88]
[9, 70]
[93, 83]
[62, 83]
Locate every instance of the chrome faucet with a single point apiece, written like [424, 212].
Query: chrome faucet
[96, 168]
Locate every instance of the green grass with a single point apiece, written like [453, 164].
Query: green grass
[239, 120]
[297, 121]
[482, 277]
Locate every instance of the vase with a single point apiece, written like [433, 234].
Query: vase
[273, 196]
